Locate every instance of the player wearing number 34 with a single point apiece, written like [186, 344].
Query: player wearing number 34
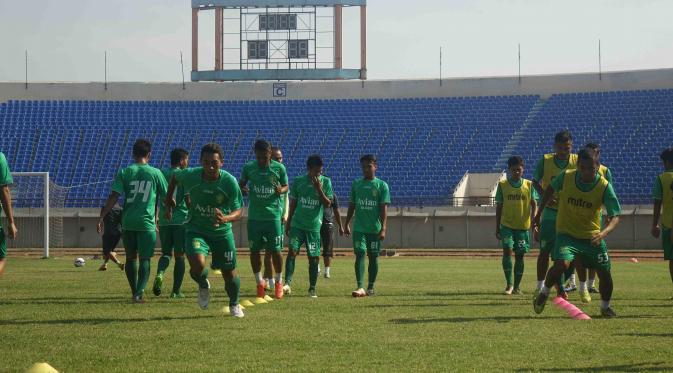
[141, 185]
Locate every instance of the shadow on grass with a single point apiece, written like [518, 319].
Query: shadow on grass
[93, 321]
[80, 300]
[458, 293]
[663, 335]
[639, 367]
[490, 304]
[500, 319]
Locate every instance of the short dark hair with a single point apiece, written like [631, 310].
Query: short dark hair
[142, 148]
[314, 160]
[262, 145]
[563, 137]
[515, 160]
[368, 158]
[587, 154]
[275, 149]
[212, 148]
[177, 155]
[594, 146]
[667, 155]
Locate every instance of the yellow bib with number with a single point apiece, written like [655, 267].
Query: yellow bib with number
[551, 170]
[579, 213]
[516, 205]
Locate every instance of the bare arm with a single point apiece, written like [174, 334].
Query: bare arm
[337, 217]
[109, 204]
[170, 201]
[498, 215]
[612, 224]
[538, 187]
[547, 196]
[384, 221]
[6, 198]
[349, 217]
[220, 218]
[243, 185]
[656, 230]
[290, 214]
[321, 193]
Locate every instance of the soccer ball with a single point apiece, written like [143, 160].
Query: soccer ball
[79, 262]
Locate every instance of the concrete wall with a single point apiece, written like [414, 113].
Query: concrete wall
[456, 228]
[544, 85]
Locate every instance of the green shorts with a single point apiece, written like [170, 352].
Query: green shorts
[300, 237]
[568, 248]
[265, 235]
[366, 242]
[3, 244]
[222, 247]
[172, 239]
[548, 231]
[515, 239]
[140, 243]
[665, 243]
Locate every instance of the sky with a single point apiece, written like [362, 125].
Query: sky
[66, 39]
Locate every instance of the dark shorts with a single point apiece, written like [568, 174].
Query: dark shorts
[327, 240]
[110, 242]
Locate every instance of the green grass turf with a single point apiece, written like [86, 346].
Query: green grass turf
[430, 314]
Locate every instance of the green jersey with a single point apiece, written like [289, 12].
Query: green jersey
[265, 203]
[205, 196]
[368, 196]
[140, 184]
[5, 174]
[309, 210]
[180, 210]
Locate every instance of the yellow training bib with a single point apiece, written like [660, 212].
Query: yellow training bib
[516, 205]
[579, 213]
[666, 180]
[551, 170]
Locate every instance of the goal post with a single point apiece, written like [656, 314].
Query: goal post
[34, 198]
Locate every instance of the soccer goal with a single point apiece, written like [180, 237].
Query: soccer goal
[38, 212]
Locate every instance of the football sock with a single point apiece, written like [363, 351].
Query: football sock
[233, 288]
[289, 268]
[258, 278]
[201, 279]
[143, 276]
[178, 273]
[373, 270]
[131, 270]
[518, 270]
[164, 261]
[360, 269]
[507, 268]
[312, 272]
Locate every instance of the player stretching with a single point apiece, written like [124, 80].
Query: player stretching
[662, 193]
[270, 282]
[309, 195]
[215, 202]
[581, 194]
[6, 201]
[267, 183]
[140, 184]
[516, 203]
[369, 200]
[172, 232]
[546, 170]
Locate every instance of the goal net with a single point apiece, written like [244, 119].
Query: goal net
[38, 212]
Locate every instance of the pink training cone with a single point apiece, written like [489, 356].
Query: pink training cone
[558, 301]
[582, 316]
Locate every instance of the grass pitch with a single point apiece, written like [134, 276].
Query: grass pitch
[430, 314]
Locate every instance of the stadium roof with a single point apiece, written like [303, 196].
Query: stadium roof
[272, 3]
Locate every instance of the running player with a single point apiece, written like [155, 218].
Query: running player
[581, 194]
[6, 201]
[570, 275]
[112, 233]
[172, 232]
[268, 183]
[140, 184]
[515, 200]
[546, 170]
[330, 216]
[215, 202]
[662, 193]
[270, 283]
[309, 195]
[369, 200]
